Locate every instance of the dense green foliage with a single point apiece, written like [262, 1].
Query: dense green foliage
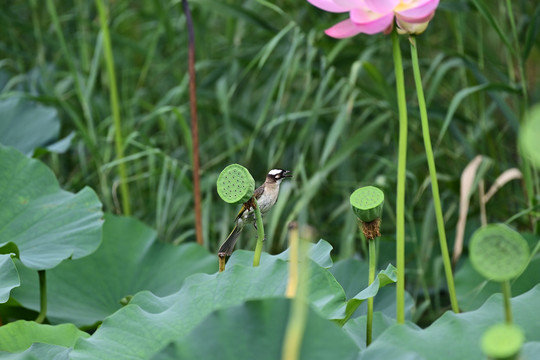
[273, 92]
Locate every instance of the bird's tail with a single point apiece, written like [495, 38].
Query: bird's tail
[227, 248]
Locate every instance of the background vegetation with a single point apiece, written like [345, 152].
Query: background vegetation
[274, 91]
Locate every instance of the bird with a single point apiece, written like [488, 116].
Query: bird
[266, 196]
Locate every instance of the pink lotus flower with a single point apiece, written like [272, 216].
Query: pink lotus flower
[375, 16]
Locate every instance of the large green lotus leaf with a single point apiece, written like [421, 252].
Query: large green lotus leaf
[530, 351]
[352, 274]
[328, 295]
[39, 351]
[9, 277]
[258, 327]
[149, 323]
[356, 327]
[457, 336]
[129, 260]
[26, 125]
[319, 252]
[473, 289]
[383, 278]
[44, 222]
[19, 335]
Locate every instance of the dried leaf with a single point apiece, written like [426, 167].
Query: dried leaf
[467, 181]
[505, 177]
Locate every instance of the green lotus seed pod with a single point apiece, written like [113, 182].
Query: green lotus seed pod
[498, 252]
[502, 341]
[367, 203]
[235, 185]
[529, 135]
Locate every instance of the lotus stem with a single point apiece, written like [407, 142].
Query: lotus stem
[260, 234]
[297, 290]
[42, 297]
[292, 283]
[433, 175]
[507, 295]
[371, 279]
[222, 261]
[400, 197]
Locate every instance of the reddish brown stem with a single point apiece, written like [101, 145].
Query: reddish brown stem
[194, 124]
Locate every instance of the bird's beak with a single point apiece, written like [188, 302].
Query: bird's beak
[287, 173]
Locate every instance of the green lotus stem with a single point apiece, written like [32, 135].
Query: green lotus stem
[42, 297]
[371, 279]
[297, 290]
[260, 234]
[507, 295]
[294, 264]
[400, 197]
[115, 107]
[433, 175]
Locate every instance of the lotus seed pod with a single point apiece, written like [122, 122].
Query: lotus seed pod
[367, 203]
[502, 341]
[529, 135]
[498, 252]
[235, 185]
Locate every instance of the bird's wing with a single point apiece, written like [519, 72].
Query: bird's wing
[247, 205]
[258, 192]
[244, 208]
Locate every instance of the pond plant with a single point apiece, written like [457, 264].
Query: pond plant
[411, 18]
[500, 254]
[367, 204]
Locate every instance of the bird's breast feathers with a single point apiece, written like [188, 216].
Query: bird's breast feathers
[266, 198]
